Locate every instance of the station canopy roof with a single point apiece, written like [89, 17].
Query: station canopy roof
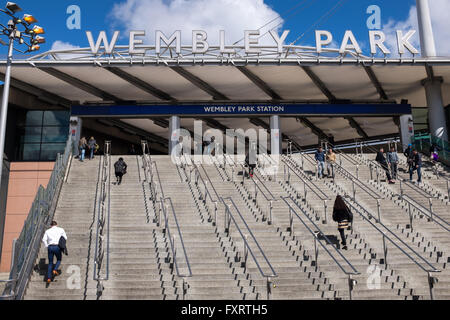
[74, 77]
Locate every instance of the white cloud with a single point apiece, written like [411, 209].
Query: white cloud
[234, 16]
[60, 45]
[441, 27]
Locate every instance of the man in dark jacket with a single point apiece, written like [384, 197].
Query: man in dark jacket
[120, 168]
[382, 161]
[408, 154]
[416, 165]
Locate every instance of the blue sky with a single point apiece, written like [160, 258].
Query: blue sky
[96, 16]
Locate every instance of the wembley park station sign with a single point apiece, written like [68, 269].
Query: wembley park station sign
[251, 46]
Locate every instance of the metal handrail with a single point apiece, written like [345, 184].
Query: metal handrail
[431, 280]
[103, 222]
[261, 183]
[429, 213]
[172, 239]
[207, 194]
[274, 274]
[413, 186]
[316, 249]
[360, 184]
[306, 182]
[247, 247]
[26, 247]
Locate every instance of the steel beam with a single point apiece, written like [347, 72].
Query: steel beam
[354, 124]
[163, 123]
[373, 78]
[260, 83]
[316, 130]
[132, 129]
[81, 84]
[319, 83]
[140, 84]
[39, 93]
[200, 83]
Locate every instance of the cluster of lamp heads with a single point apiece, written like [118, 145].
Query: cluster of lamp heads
[30, 36]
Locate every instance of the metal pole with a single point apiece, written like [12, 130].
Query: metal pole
[431, 281]
[448, 190]
[316, 252]
[410, 216]
[270, 212]
[325, 210]
[291, 220]
[354, 190]
[371, 172]
[215, 213]
[5, 100]
[431, 208]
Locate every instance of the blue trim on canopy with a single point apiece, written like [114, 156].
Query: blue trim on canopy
[247, 110]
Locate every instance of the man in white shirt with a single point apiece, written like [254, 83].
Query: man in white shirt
[51, 241]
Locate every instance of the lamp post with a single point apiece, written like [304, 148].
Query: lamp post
[20, 30]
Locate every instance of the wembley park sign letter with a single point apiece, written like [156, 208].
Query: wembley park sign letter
[252, 46]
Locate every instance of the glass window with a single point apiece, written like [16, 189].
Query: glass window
[34, 118]
[56, 118]
[54, 134]
[33, 135]
[42, 135]
[49, 151]
[31, 151]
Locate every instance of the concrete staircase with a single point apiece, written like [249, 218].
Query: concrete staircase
[141, 262]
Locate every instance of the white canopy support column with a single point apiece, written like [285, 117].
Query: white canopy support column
[436, 111]
[174, 132]
[406, 130]
[433, 85]
[275, 135]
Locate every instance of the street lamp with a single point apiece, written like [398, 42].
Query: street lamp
[21, 31]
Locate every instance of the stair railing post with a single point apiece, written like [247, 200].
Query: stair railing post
[354, 190]
[371, 171]
[448, 190]
[431, 281]
[291, 222]
[270, 212]
[430, 200]
[351, 285]
[378, 175]
[325, 211]
[206, 192]
[256, 191]
[269, 288]
[316, 253]
[303, 161]
[245, 252]
[305, 191]
[215, 213]
[357, 171]
[289, 175]
[410, 216]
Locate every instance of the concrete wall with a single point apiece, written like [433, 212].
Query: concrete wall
[24, 181]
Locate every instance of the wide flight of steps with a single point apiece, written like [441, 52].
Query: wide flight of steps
[141, 264]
